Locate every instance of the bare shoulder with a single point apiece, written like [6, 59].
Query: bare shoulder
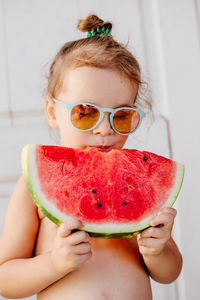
[20, 226]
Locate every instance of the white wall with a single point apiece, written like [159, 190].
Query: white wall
[165, 38]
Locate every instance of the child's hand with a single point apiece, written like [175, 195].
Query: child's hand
[152, 241]
[70, 250]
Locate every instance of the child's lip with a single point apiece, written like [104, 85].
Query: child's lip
[103, 148]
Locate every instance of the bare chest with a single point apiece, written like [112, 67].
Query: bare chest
[115, 270]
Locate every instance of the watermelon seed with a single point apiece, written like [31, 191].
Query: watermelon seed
[145, 158]
[63, 169]
[125, 203]
[99, 205]
[94, 192]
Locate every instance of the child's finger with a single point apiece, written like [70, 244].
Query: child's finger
[154, 232]
[78, 237]
[146, 251]
[66, 228]
[151, 242]
[82, 248]
[168, 210]
[163, 219]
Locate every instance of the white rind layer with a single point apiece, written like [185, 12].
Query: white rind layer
[51, 211]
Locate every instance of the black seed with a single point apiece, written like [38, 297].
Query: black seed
[99, 205]
[125, 203]
[94, 192]
[145, 158]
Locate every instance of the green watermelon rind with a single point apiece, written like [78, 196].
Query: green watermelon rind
[25, 169]
[94, 230]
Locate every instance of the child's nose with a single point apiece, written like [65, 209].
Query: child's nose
[104, 127]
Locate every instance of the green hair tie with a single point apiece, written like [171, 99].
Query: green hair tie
[89, 34]
[99, 32]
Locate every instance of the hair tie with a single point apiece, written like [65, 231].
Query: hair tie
[99, 32]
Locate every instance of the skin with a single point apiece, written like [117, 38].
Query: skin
[101, 87]
[73, 265]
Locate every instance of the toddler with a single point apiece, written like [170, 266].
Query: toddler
[39, 257]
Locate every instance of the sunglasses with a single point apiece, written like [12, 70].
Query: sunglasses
[86, 116]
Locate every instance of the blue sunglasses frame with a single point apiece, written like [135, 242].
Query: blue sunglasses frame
[69, 107]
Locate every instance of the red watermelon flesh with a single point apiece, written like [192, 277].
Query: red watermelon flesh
[113, 193]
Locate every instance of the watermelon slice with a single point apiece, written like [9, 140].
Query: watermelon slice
[114, 194]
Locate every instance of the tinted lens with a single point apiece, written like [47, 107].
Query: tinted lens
[126, 120]
[84, 116]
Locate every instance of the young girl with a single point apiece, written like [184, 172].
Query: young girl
[38, 257]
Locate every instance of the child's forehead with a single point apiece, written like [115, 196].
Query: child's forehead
[101, 86]
[92, 75]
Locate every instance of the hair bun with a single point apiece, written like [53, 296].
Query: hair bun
[91, 23]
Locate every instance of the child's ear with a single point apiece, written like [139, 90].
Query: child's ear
[50, 112]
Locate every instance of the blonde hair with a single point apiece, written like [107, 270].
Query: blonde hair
[100, 52]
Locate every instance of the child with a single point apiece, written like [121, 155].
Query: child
[38, 257]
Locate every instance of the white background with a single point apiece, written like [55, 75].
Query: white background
[165, 38]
